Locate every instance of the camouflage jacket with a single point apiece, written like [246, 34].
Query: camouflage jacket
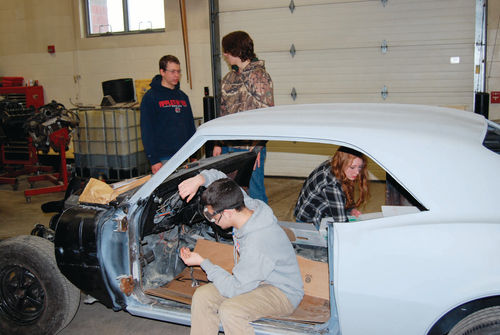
[250, 89]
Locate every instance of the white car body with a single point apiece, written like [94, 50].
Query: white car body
[431, 269]
[399, 274]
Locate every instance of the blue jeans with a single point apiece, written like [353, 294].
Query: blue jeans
[256, 188]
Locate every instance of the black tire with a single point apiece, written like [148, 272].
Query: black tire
[483, 322]
[35, 298]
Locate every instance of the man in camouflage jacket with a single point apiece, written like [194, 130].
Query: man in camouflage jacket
[252, 88]
[246, 87]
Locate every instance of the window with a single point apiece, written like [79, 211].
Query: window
[124, 16]
[492, 138]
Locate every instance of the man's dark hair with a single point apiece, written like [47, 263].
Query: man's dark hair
[223, 194]
[166, 59]
[238, 44]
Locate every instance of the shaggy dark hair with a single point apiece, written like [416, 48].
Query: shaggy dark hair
[223, 194]
[238, 44]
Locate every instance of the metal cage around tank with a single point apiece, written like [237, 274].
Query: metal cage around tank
[108, 144]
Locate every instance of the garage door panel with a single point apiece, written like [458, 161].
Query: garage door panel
[350, 54]
[231, 5]
[402, 69]
[462, 99]
[355, 84]
[369, 60]
[350, 87]
[351, 25]
[494, 81]
[346, 85]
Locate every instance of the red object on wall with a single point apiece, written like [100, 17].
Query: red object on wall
[32, 95]
[495, 97]
[51, 49]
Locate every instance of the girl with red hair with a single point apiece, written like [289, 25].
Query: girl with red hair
[330, 189]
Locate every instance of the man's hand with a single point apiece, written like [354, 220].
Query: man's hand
[156, 167]
[190, 258]
[217, 151]
[257, 162]
[189, 187]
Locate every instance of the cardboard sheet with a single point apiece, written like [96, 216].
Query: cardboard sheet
[98, 192]
[315, 278]
[314, 307]
[218, 253]
[310, 309]
[314, 274]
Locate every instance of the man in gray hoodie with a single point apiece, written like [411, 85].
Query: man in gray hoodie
[265, 281]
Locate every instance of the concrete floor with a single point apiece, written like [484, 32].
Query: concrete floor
[97, 319]
[18, 217]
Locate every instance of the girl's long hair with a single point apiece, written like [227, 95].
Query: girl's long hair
[340, 161]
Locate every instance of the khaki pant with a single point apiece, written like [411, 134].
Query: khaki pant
[209, 308]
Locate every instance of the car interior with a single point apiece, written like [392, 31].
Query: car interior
[169, 223]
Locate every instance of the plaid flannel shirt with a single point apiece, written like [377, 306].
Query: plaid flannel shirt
[321, 196]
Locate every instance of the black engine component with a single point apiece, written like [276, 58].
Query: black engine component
[174, 211]
[13, 116]
[50, 118]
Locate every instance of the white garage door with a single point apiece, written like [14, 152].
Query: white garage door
[398, 51]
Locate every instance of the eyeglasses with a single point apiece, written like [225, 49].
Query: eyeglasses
[211, 216]
[173, 71]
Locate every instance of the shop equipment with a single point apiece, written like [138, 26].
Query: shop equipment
[51, 128]
[18, 155]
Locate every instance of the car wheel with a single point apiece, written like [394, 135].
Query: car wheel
[35, 298]
[483, 322]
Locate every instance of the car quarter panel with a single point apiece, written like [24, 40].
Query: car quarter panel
[401, 274]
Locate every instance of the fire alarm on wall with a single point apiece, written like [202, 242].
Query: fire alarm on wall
[51, 49]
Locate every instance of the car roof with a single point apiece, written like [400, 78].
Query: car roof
[329, 121]
[429, 150]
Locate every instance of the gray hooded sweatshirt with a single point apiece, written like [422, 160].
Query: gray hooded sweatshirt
[266, 254]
